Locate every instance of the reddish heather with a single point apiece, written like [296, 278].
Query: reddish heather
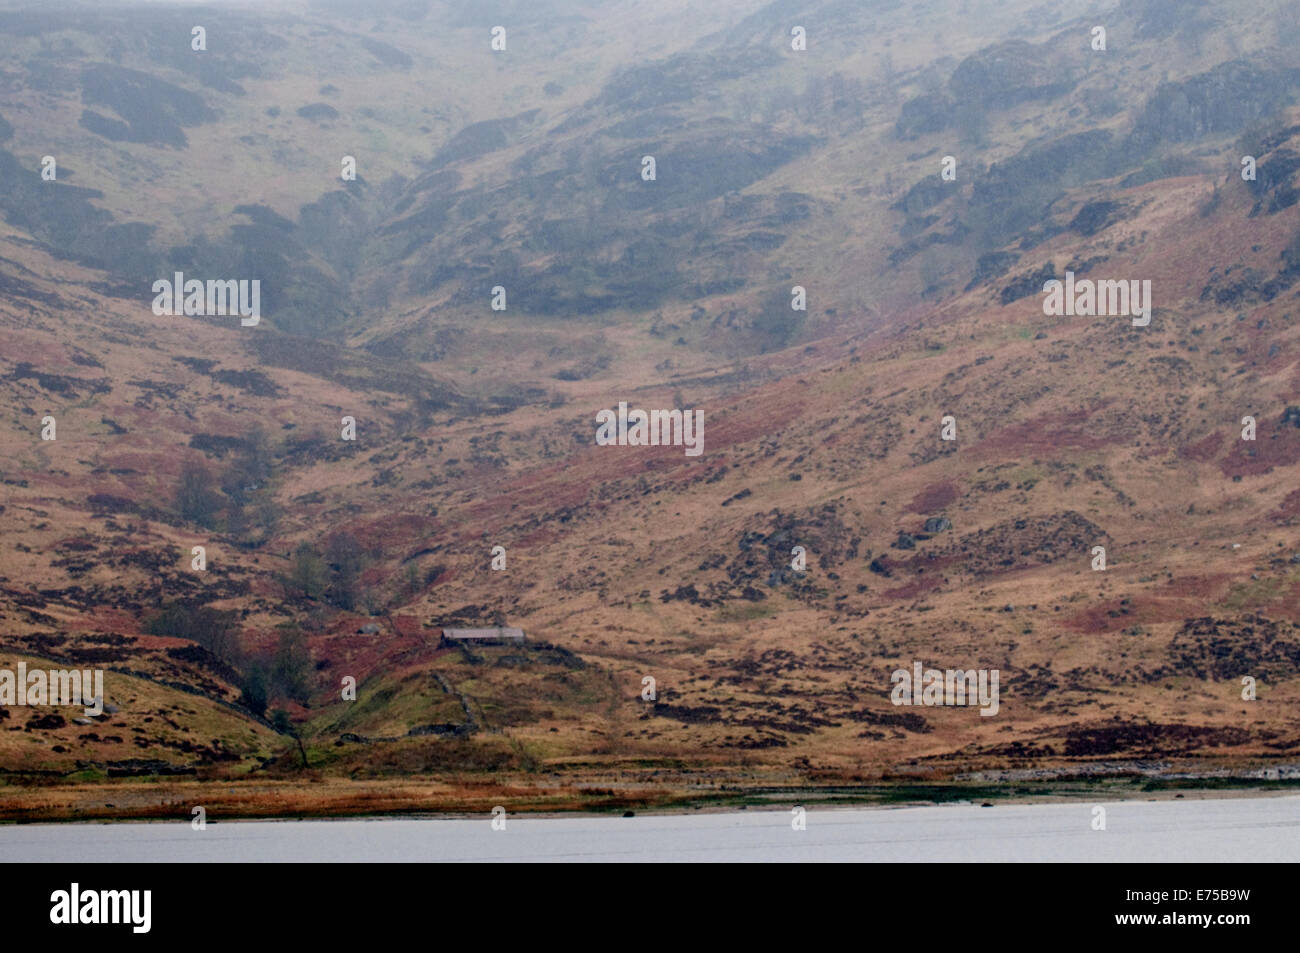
[933, 498]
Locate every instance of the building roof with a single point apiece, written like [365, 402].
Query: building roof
[500, 632]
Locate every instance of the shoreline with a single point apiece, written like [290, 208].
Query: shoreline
[765, 800]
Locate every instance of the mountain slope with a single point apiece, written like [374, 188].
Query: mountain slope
[329, 559]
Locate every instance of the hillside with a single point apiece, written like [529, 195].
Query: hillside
[522, 169]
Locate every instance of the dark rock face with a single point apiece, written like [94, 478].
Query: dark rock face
[198, 655]
[1020, 544]
[937, 524]
[1159, 18]
[1095, 216]
[1013, 197]
[905, 541]
[924, 195]
[1149, 739]
[1028, 284]
[1004, 75]
[997, 77]
[1273, 178]
[765, 555]
[1013, 200]
[1226, 649]
[154, 110]
[992, 265]
[1222, 101]
[45, 722]
[477, 139]
[923, 115]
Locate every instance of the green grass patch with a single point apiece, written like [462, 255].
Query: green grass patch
[745, 612]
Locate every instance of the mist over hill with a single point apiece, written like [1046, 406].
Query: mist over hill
[827, 231]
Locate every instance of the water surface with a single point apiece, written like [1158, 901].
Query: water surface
[1249, 829]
